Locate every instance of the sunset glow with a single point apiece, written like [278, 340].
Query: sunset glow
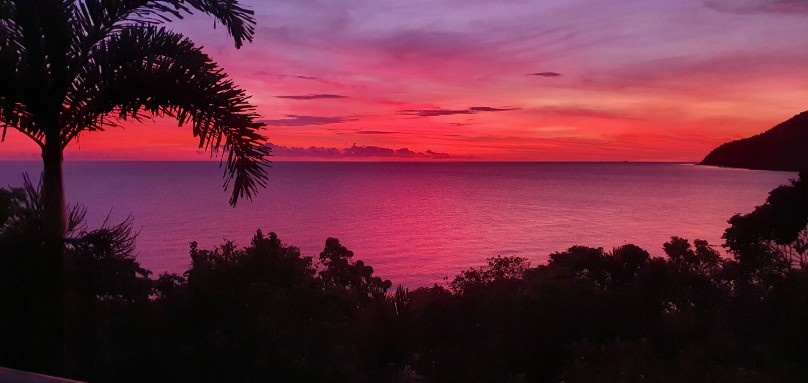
[507, 80]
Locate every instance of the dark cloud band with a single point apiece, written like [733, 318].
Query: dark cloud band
[545, 74]
[296, 120]
[449, 112]
[354, 151]
[312, 97]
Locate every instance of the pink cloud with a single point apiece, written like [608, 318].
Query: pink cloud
[550, 80]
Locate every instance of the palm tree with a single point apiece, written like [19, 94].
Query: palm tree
[74, 66]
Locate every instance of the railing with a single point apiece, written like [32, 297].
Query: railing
[8, 375]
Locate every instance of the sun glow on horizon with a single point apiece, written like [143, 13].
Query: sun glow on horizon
[506, 81]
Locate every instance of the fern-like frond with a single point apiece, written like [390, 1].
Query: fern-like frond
[153, 71]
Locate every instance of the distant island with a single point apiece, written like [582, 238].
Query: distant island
[784, 147]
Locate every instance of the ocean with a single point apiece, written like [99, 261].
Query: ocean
[416, 223]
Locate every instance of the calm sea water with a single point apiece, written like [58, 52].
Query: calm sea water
[416, 223]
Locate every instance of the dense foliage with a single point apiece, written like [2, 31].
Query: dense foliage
[266, 313]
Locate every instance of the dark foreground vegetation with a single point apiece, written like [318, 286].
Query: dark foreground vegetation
[266, 313]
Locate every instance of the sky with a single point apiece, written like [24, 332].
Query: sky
[507, 80]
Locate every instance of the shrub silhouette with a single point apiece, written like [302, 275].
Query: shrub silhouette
[265, 312]
[100, 266]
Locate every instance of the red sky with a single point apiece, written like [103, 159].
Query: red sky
[552, 80]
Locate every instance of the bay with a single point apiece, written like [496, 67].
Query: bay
[415, 222]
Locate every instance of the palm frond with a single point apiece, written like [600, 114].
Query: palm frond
[15, 116]
[94, 21]
[11, 52]
[36, 45]
[239, 21]
[13, 61]
[11, 49]
[7, 11]
[56, 30]
[97, 18]
[152, 71]
[11, 112]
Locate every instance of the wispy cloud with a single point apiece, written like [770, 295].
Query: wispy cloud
[545, 74]
[282, 76]
[753, 6]
[449, 112]
[354, 151]
[490, 109]
[574, 110]
[297, 120]
[374, 132]
[434, 112]
[724, 67]
[312, 97]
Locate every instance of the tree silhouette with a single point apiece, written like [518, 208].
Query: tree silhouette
[774, 236]
[68, 67]
[74, 66]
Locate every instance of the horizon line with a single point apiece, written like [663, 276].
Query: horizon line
[380, 160]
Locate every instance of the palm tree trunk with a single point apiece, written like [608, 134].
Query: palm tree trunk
[54, 228]
[55, 210]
